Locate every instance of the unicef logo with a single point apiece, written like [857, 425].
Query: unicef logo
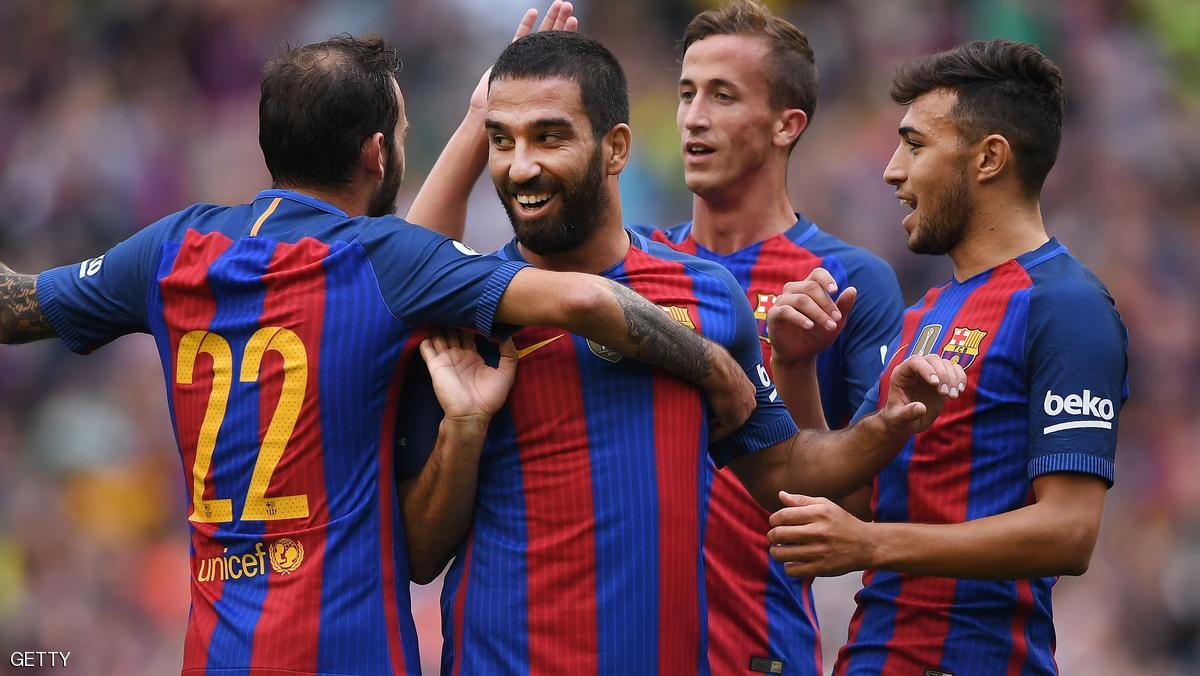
[286, 555]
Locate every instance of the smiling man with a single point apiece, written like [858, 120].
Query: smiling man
[978, 515]
[590, 495]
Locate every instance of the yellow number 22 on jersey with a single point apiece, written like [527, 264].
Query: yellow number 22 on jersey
[295, 381]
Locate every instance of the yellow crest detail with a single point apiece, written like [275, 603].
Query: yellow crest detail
[286, 555]
[679, 314]
[766, 301]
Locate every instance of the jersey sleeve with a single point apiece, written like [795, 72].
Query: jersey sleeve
[1076, 366]
[872, 325]
[430, 280]
[770, 423]
[419, 418]
[101, 299]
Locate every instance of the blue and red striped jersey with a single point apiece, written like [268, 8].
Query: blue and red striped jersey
[284, 329]
[585, 551]
[755, 609]
[1045, 355]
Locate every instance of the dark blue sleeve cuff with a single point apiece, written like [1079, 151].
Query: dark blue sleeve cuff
[746, 441]
[1083, 463]
[494, 288]
[47, 293]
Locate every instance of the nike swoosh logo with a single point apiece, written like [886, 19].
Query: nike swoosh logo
[526, 351]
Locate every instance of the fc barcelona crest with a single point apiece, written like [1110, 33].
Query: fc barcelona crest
[766, 301]
[963, 346]
[679, 314]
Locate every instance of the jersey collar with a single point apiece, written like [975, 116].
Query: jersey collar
[308, 200]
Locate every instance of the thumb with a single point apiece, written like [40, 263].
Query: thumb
[845, 301]
[795, 499]
[909, 414]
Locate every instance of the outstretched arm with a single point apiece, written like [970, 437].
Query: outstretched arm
[21, 318]
[441, 204]
[615, 316]
[439, 502]
[1053, 536]
[833, 464]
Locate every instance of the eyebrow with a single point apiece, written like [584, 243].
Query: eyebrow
[715, 82]
[909, 131]
[489, 123]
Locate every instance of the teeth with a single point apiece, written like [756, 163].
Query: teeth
[533, 199]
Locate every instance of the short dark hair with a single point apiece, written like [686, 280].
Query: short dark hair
[321, 102]
[790, 66]
[576, 57]
[1003, 87]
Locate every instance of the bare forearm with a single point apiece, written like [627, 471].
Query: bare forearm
[21, 319]
[438, 504]
[441, 204]
[797, 385]
[1029, 542]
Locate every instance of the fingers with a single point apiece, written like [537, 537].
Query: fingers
[556, 16]
[812, 302]
[526, 26]
[572, 25]
[823, 279]
[508, 357]
[845, 301]
[787, 314]
[956, 379]
[428, 352]
[797, 500]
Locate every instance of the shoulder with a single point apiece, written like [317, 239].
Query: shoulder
[695, 267]
[862, 267]
[1061, 283]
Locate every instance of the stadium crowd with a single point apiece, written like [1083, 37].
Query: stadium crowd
[113, 114]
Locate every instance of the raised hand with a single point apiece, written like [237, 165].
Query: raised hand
[814, 537]
[467, 388]
[805, 319]
[919, 387]
[560, 17]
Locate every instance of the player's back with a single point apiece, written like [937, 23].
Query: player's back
[284, 328]
[585, 550]
[1017, 330]
[756, 611]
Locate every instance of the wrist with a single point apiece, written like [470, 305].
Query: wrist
[803, 364]
[466, 427]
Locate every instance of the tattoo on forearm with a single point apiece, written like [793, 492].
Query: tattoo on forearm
[21, 318]
[662, 341]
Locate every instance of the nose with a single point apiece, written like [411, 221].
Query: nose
[895, 172]
[693, 115]
[525, 165]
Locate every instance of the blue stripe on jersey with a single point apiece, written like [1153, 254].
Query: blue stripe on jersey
[878, 600]
[624, 484]
[496, 590]
[354, 324]
[831, 362]
[996, 484]
[235, 280]
[1039, 630]
[706, 479]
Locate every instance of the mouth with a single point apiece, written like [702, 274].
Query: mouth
[533, 204]
[911, 203]
[695, 151]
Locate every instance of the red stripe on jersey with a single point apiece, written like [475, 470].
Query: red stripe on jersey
[460, 603]
[939, 476]
[1020, 647]
[687, 246]
[188, 305]
[557, 477]
[843, 658]
[286, 635]
[388, 505]
[738, 568]
[678, 419]
[779, 261]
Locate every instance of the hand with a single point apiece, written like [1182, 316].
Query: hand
[919, 387]
[467, 388]
[805, 319]
[814, 537]
[731, 396]
[558, 18]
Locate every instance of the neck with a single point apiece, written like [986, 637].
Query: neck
[996, 235]
[604, 249]
[757, 208]
[347, 199]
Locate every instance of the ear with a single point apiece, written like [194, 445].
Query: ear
[373, 156]
[992, 157]
[788, 127]
[617, 143]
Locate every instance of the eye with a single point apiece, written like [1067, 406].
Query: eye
[912, 145]
[724, 97]
[687, 95]
[500, 140]
[549, 137]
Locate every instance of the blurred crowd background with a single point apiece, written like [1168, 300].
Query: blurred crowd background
[114, 113]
